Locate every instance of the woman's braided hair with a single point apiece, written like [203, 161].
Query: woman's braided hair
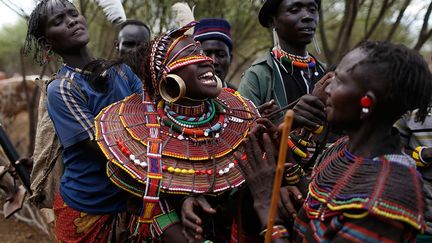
[35, 31]
[401, 75]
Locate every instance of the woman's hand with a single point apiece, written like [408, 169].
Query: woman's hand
[265, 125]
[319, 89]
[309, 112]
[192, 223]
[267, 108]
[259, 170]
[290, 198]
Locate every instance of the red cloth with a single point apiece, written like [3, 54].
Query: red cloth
[73, 226]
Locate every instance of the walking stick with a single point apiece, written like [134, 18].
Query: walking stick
[278, 174]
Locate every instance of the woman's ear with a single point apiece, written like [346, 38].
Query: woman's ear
[367, 103]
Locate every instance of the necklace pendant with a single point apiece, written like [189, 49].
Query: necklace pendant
[206, 133]
[316, 73]
[180, 137]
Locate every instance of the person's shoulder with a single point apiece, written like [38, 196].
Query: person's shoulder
[54, 84]
[262, 60]
[259, 67]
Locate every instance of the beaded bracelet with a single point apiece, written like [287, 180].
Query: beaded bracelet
[297, 150]
[416, 155]
[319, 130]
[278, 231]
[294, 174]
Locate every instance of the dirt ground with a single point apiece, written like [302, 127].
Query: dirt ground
[14, 231]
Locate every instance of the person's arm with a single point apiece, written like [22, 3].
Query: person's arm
[259, 173]
[250, 88]
[73, 121]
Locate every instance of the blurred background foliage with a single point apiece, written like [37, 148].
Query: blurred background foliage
[344, 23]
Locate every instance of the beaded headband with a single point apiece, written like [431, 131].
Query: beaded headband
[160, 66]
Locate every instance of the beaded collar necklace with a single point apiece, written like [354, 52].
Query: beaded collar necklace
[344, 181]
[294, 60]
[191, 127]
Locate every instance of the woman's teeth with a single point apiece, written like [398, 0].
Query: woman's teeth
[207, 77]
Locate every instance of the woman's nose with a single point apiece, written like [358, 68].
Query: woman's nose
[71, 22]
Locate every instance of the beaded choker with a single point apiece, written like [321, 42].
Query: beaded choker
[188, 110]
[191, 120]
[194, 128]
[293, 60]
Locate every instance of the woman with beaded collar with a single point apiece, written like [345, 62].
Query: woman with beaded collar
[178, 138]
[363, 188]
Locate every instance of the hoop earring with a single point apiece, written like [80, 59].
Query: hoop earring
[178, 81]
[219, 84]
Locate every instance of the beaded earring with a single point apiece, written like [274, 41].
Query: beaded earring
[366, 103]
[47, 55]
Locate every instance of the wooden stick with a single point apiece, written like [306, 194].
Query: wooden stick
[289, 106]
[278, 174]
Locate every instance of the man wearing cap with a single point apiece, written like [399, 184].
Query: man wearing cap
[214, 34]
[288, 71]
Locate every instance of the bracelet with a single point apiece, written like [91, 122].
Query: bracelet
[319, 130]
[296, 150]
[294, 174]
[278, 231]
[302, 142]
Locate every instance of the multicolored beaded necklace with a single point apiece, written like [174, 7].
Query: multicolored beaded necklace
[192, 120]
[185, 125]
[343, 181]
[294, 60]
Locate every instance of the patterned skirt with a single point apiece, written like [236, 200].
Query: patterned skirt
[75, 226]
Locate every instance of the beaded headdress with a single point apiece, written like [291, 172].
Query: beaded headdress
[160, 65]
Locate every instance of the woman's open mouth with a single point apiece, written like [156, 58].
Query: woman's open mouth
[207, 78]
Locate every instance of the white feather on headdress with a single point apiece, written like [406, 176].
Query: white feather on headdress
[113, 9]
[182, 15]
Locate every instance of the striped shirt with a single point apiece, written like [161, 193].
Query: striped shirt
[72, 106]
